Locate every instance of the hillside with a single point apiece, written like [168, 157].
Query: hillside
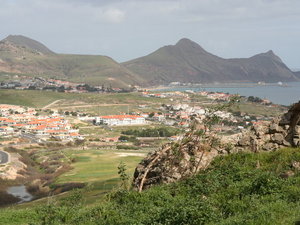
[243, 188]
[297, 74]
[21, 55]
[184, 62]
[27, 43]
[188, 62]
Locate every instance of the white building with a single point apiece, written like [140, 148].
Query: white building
[120, 120]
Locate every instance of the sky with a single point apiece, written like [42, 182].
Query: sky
[128, 29]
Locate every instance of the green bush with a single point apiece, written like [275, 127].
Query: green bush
[154, 132]
[127, 147]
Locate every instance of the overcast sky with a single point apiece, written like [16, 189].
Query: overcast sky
[127, 29]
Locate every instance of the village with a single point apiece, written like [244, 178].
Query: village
[22, 82]
[26, 122]
[44, 125]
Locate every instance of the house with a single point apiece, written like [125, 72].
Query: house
[4, 130]
[120, 120]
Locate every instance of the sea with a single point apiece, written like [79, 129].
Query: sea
[279, 93]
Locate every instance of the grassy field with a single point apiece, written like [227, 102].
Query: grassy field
[99, 170]
[99, 165]
[257, 109]
[93, 102]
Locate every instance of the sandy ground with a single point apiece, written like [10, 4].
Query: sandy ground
[125, 154]
[10, 171]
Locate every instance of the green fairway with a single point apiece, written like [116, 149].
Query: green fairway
[99, 165]
[99, 170]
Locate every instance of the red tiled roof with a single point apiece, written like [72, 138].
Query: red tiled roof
[56, 131]
[18, 125]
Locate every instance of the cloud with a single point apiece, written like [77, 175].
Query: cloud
[114, 15]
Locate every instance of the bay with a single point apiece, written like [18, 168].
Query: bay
[285, 94]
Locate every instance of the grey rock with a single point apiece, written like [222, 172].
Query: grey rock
[244, 141]
[274, 128]
[277, 138]
[287, 174]
[296, 165]
[270, 147]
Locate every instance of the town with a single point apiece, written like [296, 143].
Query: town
[175, 110]
[22, 82]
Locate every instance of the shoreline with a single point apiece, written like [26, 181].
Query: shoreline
[224, 85]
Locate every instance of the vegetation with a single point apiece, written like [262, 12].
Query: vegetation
[91, 69]
[96, 165]
[127, 147]
[254, 99]
[243, 188]
[116, 102]
[152, 132]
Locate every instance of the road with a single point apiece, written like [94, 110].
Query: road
[31, 137]
[4, 157]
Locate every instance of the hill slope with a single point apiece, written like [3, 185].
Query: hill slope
[19, 54]
[29, 44]
[297, 74]
[189, 62]
[242, 188]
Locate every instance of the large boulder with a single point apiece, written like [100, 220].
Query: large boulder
[175, 161]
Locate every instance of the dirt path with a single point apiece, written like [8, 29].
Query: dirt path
[124, 154]
[84, 106]
[51, 104]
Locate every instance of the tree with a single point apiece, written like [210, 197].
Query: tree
[123, 175]
[61, 89]
[151, 115]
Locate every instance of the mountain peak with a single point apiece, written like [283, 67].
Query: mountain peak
[185, 41]
[188, 44]
[269, 54]
[20, 40]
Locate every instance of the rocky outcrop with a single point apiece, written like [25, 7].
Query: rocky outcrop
[283, 132]
[176, 161]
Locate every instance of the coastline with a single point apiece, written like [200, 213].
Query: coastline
[220, 85]
[278, 93]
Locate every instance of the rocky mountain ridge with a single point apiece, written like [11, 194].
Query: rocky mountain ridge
[22, 55]
[188, 62]
[185, 62]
